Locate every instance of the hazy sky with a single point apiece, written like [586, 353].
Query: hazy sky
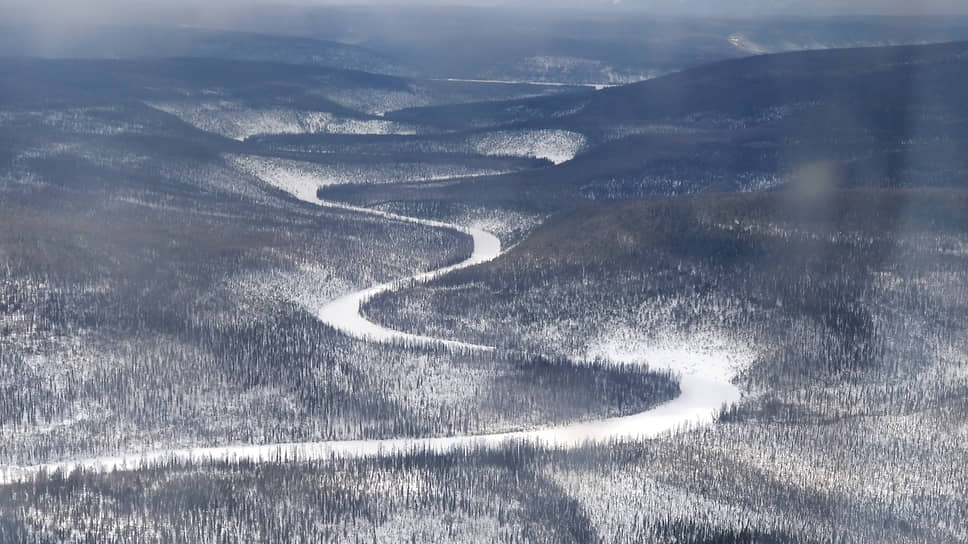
[221, 12]
[114, 8]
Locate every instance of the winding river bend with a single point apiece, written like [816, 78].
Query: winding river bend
[701, 397]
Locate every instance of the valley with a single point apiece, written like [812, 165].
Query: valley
[283, 286]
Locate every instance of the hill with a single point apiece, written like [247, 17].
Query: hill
[154, 42]
[885, 116]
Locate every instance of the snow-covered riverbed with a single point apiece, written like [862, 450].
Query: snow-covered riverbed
[705, 388]
[343, 314]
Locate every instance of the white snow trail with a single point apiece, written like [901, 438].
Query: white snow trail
[702, 395]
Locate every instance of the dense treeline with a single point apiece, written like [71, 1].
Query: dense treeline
[420, 498]
[705, 486]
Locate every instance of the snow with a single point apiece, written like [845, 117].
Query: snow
[344, 315]
[596, 86]
[613, 499]
[557, 146]
[705, 366]
[240, 122]
[704, 353]
[506, 224]
[700, 400]
[751, 182]
[551, 144]
[78, 120]
[379, 101]
[581, 69]
[297, 179]
[302, 178]
[744, 44]
[308, 285]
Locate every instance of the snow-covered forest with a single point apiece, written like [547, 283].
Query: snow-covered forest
[251, 293]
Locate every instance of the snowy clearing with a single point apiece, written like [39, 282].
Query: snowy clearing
[295, 176]
[557, 146]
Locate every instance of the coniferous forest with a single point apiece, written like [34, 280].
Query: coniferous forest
[452, 274]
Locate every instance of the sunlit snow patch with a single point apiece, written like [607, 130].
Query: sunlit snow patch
[302, 178]
[239, 122]
[557, 146]
[701, 354]
[296, 178]
[704, 363]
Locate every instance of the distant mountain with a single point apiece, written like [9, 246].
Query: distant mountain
[240, 99]
[728, 90]
[611, 47]
[121, 42]
[584, 45]
[887, 116]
